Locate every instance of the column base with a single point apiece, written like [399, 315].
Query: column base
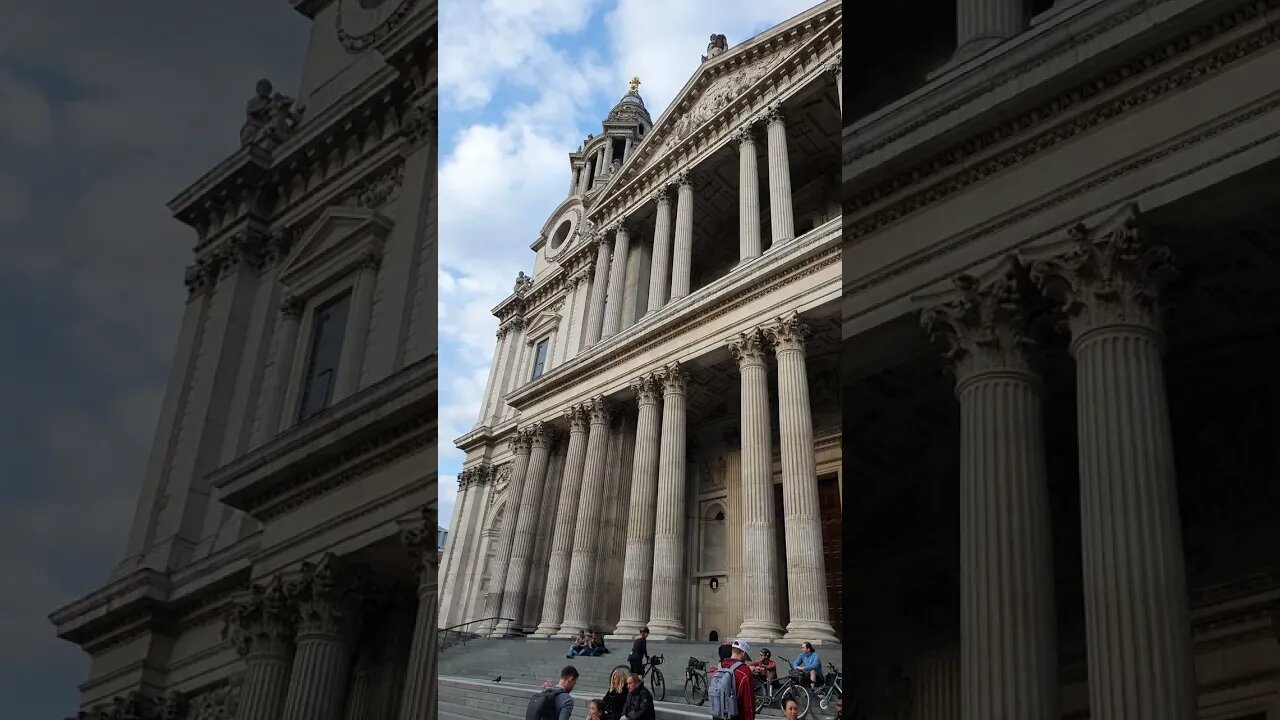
[760, 632]
[541, 634]
[563, 636]
[814, 631]
[626, 630]
[665, 630]
[568, 630]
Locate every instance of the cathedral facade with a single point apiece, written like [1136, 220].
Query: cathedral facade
[1060, 318]
[280, 562]
[659, 439]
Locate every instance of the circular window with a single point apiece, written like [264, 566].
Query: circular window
[558, 237]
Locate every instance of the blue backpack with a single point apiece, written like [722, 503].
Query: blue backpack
[723, 693]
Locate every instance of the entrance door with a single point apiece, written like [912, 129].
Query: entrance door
[829, 502]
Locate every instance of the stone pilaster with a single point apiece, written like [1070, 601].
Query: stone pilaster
[599, 290]
[981, 24]
[520, 449]
[760, 587]
[1006, 550]
[806, 566]
[935, 686]
[325, 597]
[666, 616]
[682, 255]
[617, 281]
[418, 701]
[660, 266]
[781, 212]
[355, 337]
[1108, 281]
[562, 540]
[515, 589]
[260, 624]
[583, 584]
[637, 567]
[491, 389]
[748, 195]
[286, 345]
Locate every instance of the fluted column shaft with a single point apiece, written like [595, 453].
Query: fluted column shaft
[666, 619]
[748, 196]
[638, 561]
[1008, 636]
[418, 698]
[502, 556]
[760, 618]
[935, 687]
[781, 212]
[599, 291]
[617, 281]
[566, 513]
[983, 23]
[806, 566]
[583, 585]
[326, 608]
[260, 626]
[1137, 620]
[660, 266]
[515, 590]
[682, 256]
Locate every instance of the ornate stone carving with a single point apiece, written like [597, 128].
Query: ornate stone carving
[743, 135]
[325, 596]
[418, 535]
[717, 45]
[775, 114]
[524, 283]
[519, 442]
[577, 417]
[719, 93]
[982, 324]
[661, 196]
[420, 122]
[600, 409]
[269, 117]
[542, 435]
[787, 333]
[219, 703]
[748, 347]
[648, 388]
[683, 178]
[1108, 275]
[376, 189]
[713, 473]
[260, 621]
[583, 275]
[674, 378]
[359, 42]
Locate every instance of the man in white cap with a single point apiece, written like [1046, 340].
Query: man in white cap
[744, 684]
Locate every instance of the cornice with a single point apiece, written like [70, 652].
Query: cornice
[102, 610]
[309, 8]
[415, 37]
[483, 435]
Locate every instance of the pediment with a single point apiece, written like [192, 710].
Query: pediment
[545, 322]
[340, 239]
[715, 85]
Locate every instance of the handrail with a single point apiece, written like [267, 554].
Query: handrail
[473, 622]
[455, 636]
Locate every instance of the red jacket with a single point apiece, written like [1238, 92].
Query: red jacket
[745, 688]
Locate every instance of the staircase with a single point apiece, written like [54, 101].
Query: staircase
[467, 672]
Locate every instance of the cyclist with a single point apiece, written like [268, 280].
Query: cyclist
[808, 664]
[639, 651]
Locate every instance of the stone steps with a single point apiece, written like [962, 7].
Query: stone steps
[479, 700]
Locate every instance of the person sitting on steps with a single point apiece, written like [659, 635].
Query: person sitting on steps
[615, 700]
[766, 668]
[579, 646]
[808, 664]
[639, 701]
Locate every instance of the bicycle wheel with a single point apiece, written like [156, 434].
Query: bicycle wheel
[825, 705]
[762, 695]
[695, 690]
[658, 685]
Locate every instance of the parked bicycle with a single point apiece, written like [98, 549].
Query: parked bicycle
[826, 695]
[651, 675]
[696, 684]
[773, 693]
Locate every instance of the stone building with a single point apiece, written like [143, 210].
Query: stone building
[280, 562]
[659, 440]
[1067, 502]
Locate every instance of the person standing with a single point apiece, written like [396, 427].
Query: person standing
[639, 651]
[554, 703]
[732, 693]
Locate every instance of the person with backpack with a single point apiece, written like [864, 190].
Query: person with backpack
[554, 703]
[639, 705]
[732, 694]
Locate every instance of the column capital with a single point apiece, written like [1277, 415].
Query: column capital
[259, 621]
[647, 388]
[325, 596]
[418, 535]
[661, 196]
[604, 239]
[775, 114]
[583, 275]
[982, 323]
[542, 435]
[748, 348]
[600, 410]
[674, 379]
[519, 443]
[1107, 275]
[787, 333]
[683, 178]
[744, 135]
[836, 66]
[577, 415]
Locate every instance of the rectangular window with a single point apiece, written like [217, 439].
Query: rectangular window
[540, 359]
[328, 325]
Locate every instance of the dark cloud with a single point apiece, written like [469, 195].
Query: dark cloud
[106, 112]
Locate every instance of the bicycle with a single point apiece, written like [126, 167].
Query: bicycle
[696, 684]
[830, 691]
[657, 683]
[788, 687]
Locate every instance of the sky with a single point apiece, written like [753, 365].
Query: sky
[105, 116]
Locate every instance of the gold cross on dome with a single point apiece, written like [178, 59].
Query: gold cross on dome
[635, 83]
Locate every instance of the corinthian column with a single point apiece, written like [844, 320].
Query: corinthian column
[637, 565]
[617, 281]
[260, 626]
[324, 597]
[660, 267]
[418, 701]
[682, 260]
[520, 448]
[781, 214]
[599, 288]
[1006, 552]
[806, 567]
[1137, 623]
[666, 621]
[583, 584]
[760, 620]
[748, 195]
[514, 591]
[562, 539]
[980, 24]
[935, 686]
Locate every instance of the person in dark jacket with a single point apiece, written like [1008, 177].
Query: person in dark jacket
[561, 704]
[639, 705]
[616, 699]
[639, 651]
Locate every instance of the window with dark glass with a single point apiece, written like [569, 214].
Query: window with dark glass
[539, 360]
[328, 325]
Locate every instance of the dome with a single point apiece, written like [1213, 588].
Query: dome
[631, 107]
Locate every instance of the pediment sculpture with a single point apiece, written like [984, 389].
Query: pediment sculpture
[269, 117]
